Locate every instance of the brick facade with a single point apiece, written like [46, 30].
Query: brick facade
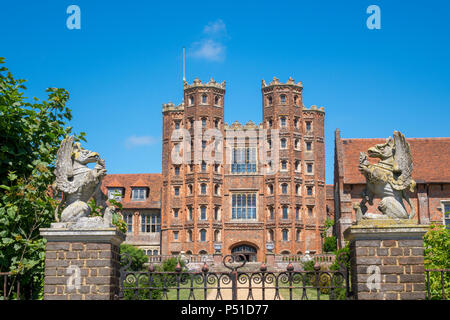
[136, 209]
[204, 102]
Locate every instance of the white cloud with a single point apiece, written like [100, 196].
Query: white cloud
[137, 141]
[215, 28]
[211, 47]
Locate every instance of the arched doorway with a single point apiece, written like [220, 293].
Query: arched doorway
[247, 250]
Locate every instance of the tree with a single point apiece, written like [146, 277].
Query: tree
[30, 135]
[330, 244]
[437, 256]
[138, 257]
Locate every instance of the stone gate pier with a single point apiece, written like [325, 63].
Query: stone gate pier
[82, 264]
[387, 259]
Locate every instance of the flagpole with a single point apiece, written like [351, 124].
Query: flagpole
[184, 65]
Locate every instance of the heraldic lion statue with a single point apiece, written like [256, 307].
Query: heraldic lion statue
[78, 184]
[388, 180]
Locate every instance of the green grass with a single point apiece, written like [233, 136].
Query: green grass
[185, 291]
[298, 292]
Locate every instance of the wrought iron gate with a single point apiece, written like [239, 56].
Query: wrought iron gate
[235, 284]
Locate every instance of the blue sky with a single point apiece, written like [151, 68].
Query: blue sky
[126, 60]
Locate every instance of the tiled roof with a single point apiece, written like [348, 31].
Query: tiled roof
[153, 181]
[431, 159]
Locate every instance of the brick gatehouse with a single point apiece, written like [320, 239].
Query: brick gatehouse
[232, 204]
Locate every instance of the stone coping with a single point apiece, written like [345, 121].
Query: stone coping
[108, 235]
[385, 229]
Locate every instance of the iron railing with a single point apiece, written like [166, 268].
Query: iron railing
[444, 280]
[235, 285]
[7, 286]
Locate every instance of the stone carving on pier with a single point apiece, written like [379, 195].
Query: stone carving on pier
[78, 185]
[388, 180]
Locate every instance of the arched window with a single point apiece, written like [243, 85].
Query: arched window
[190, 189]
[202, 213]
[216, 100]
[297, 189]
[155, 252]
[297, 144]
[191, 100]
[270, 188]
[298, 166]
[271, 238]
[284, 165]
[203, 188]
[216, 189]
[284, 188]
[269, 100]
[283, 99]
[285, 234]
[203, 237]
[285, 252]
[297, 235]
[283, 143]
[271, 213]
[283, 121]
[204, 99]
[189, 232]
[217, 213]
[202, 252]
[295, 100]
[216, 235]
[285, 212]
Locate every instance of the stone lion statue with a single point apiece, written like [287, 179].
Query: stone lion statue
[389, 179]
[79, 184]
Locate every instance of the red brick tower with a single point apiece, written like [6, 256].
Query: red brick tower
[294, 195]
[192, 204]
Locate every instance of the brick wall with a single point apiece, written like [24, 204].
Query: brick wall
[394, 259]
[81, 265]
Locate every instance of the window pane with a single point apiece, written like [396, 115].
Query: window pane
[243, 206]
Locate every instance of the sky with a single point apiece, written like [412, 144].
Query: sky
[125, 61]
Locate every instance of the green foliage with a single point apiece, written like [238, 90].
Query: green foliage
[330, 244]
[437, 256]
[117, 217]
[158, 281]
[138, 257]
[308, 265]
[30, 137]
[341, 258]
[170, 264]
